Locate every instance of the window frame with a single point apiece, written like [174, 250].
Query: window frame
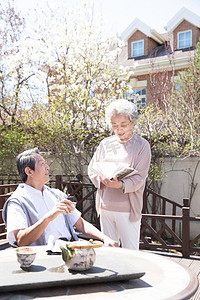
[136, 42]
[137, 96]
[178, 39]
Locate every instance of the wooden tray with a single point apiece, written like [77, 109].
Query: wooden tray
[50, 270]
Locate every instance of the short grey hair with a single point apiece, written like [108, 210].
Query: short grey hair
[121, 107]
[26, 159]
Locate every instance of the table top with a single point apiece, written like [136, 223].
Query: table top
[157, 277]
[50, 270]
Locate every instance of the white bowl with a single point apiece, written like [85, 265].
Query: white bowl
[25, 256]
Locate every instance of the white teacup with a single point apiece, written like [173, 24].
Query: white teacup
[25, 256]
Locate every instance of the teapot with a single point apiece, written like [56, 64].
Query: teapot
[80, 255]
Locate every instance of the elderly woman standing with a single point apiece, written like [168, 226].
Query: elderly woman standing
[119, 202]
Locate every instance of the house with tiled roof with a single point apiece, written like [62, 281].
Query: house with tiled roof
[154, 59]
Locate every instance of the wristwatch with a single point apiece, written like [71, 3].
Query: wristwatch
[123, 186]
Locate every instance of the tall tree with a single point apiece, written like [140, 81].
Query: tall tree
[12, 65]
[72, 59]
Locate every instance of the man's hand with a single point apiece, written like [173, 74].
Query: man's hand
[109, 242]
[27, 236]
[92, 232]
[62, 207]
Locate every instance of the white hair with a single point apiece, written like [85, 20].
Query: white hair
[121, 107]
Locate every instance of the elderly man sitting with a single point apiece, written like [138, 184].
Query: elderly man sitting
[34, 212]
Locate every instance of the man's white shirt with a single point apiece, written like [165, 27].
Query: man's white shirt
[43, 202]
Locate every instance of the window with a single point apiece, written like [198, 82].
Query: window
[184, 39]
[178, 87]
[137, 48]
[139, 98]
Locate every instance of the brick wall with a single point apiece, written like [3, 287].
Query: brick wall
[149, 44]
[184, 26]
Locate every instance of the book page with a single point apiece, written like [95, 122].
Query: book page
[111, 169]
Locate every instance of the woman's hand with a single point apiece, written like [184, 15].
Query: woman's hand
[112, 183]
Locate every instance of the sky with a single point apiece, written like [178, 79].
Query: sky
[119, 14]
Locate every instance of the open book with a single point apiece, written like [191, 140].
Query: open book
[111, 169]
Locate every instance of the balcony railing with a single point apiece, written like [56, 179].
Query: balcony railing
[161, 217]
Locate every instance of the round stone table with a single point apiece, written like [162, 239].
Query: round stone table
[117, 274]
